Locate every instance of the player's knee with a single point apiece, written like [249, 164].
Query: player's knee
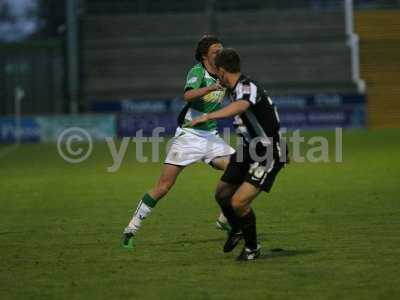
[217, 165]
[236, 205]
[218, 196]
[239, 207]
[221, 197]
[220, 163]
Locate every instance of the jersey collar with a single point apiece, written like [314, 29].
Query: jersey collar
[213, 76]
[241, 77]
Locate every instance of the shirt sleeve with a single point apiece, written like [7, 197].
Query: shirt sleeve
[246, 91]
[194, 79]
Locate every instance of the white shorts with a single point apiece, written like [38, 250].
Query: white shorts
[190, 145]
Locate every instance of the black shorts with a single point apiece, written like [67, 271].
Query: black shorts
[260, 173]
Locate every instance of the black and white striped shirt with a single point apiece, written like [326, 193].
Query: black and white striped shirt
[261, 119]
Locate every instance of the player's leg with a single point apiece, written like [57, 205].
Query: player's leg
[218, 156]
[241, 204]
[223, 195]
[261, 177]
[234, 175]
[167, 179]
[220, 163]
[184, 151]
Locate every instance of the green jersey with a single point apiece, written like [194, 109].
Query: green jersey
[198, 77]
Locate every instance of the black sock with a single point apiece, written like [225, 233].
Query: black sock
[248, 226]
[230, 215]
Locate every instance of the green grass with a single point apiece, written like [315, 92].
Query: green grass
[338, 226]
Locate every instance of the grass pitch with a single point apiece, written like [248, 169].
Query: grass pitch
[338, 226]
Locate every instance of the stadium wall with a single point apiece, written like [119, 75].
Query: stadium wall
[379, 32]
[289, 52]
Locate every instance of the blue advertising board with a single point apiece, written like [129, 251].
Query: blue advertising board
[318, 111]
[322, 111]
[28, 130]
[131, 124]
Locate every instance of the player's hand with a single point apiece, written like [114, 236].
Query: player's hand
[199, 120]
[216, 86]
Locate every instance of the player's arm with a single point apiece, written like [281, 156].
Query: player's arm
[193, 89]
[233, 109]
[193, 94]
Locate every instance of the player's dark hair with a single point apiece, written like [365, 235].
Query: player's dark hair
[204, 44]
[228, 59]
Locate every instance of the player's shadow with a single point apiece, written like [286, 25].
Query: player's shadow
[265, 254]
[188, 242]
[199, 241]
[278, 252]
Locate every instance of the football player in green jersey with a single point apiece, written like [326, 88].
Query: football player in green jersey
[203, 94]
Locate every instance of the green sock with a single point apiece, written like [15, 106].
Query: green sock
[143, 210]
[150, 202]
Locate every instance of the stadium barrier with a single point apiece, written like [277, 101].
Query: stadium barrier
[321, 111]
[127, 117]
